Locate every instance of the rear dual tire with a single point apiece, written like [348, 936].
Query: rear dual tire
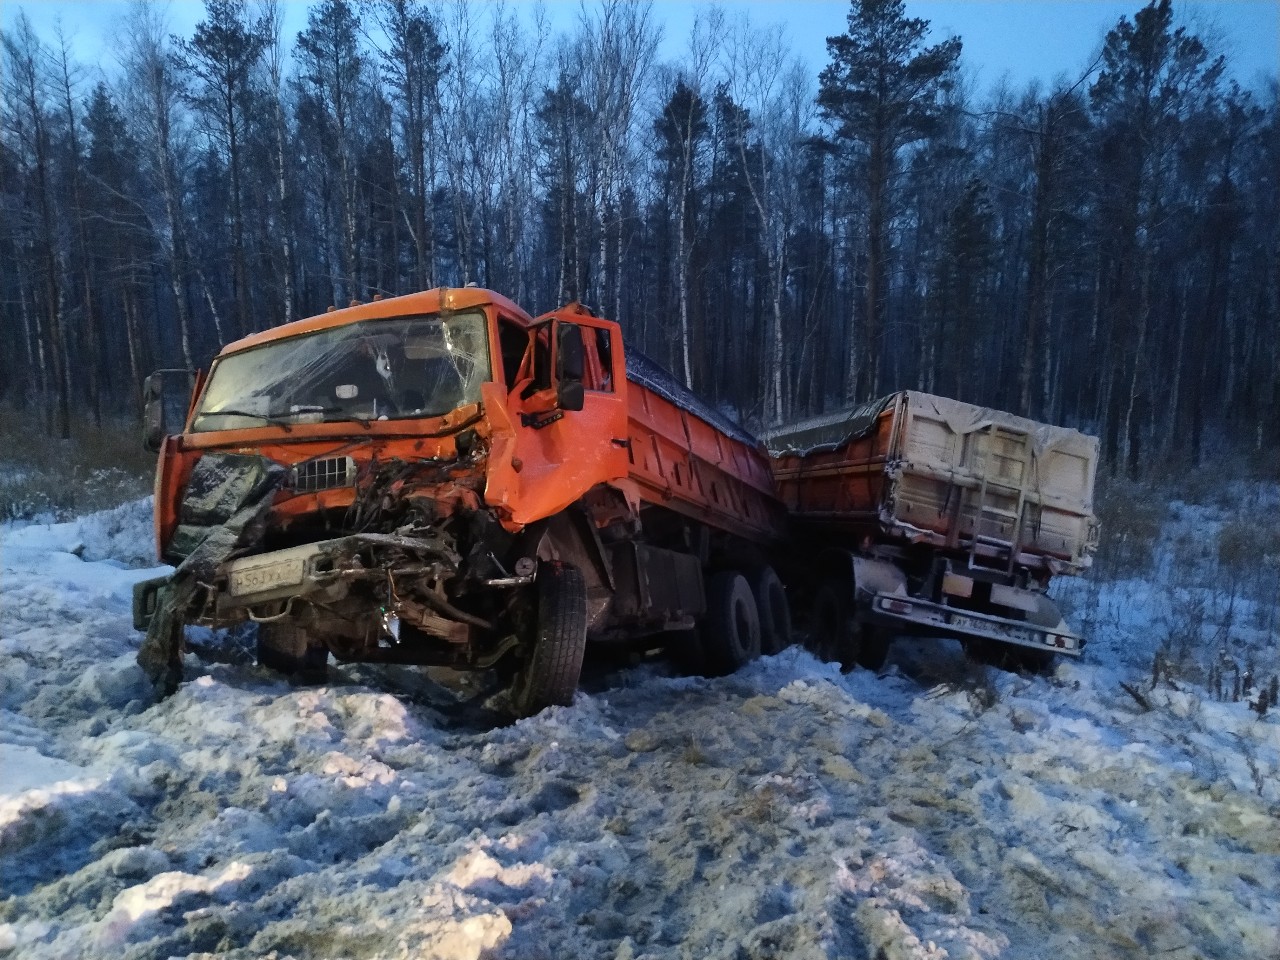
[747, 615]
[772, 609]
[731, 639]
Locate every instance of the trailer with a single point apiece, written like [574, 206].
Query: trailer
[920, 514]
[442, 479]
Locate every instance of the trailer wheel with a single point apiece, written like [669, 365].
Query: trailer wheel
[550, 675]
[732, 637]
[287, 649]
[1008, 657]
[873, 648]
[828, 622]
[836, 635]
[772, 609]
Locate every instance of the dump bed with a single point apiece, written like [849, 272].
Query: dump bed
[686, 456]
[914, 467]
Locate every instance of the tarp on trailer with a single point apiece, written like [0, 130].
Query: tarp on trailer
[827, 432]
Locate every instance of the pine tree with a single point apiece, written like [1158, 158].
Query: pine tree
[881, 91]
[220, 59]
[332, 69]
[413, 63]
[1154, 76]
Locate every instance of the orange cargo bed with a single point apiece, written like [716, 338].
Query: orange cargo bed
[686, 456]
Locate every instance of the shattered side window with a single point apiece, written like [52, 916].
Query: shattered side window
[599, 349]
[376, 370]
[514, 341]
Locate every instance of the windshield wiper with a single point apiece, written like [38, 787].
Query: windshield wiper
[274, 421]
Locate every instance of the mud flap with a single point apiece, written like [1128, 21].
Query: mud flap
[237, 488]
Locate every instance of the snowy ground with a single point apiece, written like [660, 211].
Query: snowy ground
[937, 810]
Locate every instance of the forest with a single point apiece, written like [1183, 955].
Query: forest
[1100, 251]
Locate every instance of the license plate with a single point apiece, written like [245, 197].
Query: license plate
[986, 628]
[268, 576]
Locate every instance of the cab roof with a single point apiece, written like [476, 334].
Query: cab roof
[426, 301]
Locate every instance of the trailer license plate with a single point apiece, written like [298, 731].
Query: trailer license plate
[986, 628]
[282, 573]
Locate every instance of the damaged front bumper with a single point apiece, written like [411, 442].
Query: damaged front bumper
[270, 587]
[323, 571]
[262, 587]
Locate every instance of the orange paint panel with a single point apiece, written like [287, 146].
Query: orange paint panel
[172, 470]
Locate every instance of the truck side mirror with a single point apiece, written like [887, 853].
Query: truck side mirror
[164, 405]
[570, 367]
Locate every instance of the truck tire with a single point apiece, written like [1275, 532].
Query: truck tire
[772, 608]
[686, 653]
[287, 649]
[836, 635]
[1008, 657]
[549, 677]
[732, 636]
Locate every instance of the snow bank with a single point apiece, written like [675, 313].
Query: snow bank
[936, 810]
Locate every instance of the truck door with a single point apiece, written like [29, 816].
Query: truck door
[572, 415]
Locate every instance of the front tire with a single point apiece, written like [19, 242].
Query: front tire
[732, 637]
[549, 677]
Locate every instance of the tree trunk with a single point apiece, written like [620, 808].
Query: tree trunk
[239, 270]
[876, 184]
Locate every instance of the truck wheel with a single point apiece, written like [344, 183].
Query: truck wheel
[732, 637]
[873, 648]
[550, 675]
[836, 634]
[685, 650]
[1008, 657]
[772, 608]
[287, 649]
[829, 622]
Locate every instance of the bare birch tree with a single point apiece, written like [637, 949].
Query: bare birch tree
[26, 88]
[764, 77]
[617, 41]
[154, 94]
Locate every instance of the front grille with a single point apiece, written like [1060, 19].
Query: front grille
[326, 474]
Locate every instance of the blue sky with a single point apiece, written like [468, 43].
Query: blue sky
[1020, 39]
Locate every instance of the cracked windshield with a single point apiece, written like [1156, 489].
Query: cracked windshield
[377, 370]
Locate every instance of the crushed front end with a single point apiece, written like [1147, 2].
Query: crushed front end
[329, 484]
[412, 569]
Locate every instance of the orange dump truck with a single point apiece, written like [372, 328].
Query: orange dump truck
[442, 479]
[920, 514]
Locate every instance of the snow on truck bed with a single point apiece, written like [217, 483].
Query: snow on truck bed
[787, 811]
